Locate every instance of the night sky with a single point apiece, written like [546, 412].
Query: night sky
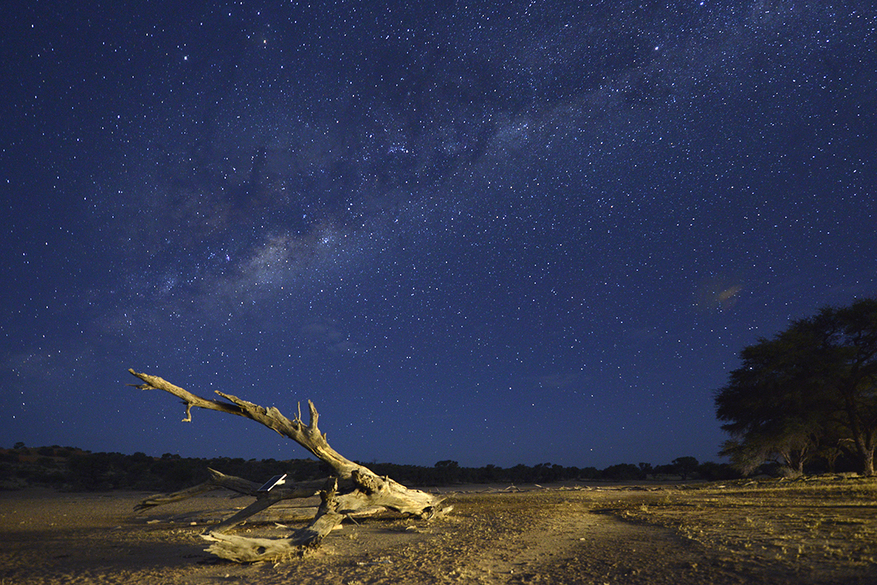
[492, 232]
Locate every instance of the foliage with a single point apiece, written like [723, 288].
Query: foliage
[73, 469]
[806, 395]
[685, 466]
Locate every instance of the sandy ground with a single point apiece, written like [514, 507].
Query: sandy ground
[810, 532]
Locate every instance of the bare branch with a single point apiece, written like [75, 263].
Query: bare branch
[308, 436]
[362, 490]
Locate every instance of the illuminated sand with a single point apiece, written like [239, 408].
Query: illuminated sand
[767, 532]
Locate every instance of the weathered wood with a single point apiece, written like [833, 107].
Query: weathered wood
[217, 481]
[353, 489]
[308, 436]
[243, 549]
[162, 499]
[239, 485]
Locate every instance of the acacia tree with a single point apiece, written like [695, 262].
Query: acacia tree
[685, 466]
[768, 414]
[846, 366]
[806, 392]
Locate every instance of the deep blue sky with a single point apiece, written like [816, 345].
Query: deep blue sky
[510, 232]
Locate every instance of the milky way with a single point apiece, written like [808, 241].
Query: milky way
[501, 233]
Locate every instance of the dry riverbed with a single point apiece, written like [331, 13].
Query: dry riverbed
[803, 532]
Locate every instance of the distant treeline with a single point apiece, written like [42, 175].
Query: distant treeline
[71, 469]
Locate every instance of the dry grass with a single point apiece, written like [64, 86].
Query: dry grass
[803, 532]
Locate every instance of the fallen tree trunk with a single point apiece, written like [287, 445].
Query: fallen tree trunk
[243, 549]
[217, 481]
[352, 489]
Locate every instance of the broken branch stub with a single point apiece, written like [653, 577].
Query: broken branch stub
[352, 489]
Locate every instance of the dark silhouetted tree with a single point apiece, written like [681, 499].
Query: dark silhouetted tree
[807, 392]
[685, 466]
[447, 471]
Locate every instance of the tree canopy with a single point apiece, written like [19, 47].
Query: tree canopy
[809, 392]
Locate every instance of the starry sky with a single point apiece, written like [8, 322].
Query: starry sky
[492, 232]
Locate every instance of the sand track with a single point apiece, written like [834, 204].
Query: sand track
[806, 534]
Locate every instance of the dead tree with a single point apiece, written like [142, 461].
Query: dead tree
[351, 490]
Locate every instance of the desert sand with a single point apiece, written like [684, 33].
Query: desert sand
[803, 532]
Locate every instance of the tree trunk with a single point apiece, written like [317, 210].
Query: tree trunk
[868, 462]
[352, 489]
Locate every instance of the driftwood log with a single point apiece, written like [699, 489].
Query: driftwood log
[351, 490]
